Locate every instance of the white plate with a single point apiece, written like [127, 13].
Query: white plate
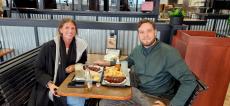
[115, 84]
[96, 66]
[76, 78]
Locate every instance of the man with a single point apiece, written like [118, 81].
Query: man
[159, 68]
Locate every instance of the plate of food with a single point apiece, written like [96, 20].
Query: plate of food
[115, 81]
[95, 68]
[95, 72]
[114, 77]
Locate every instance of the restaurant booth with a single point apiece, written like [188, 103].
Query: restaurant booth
[208, 58]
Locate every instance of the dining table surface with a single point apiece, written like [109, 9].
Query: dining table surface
[5, 51]
[102, 92]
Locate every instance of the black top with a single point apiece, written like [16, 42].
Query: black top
[44, 71]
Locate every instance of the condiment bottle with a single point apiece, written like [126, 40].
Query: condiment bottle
[118, 65]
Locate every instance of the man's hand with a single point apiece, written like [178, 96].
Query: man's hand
[53, 88]
[158, 103]
[102, 63]
[70, 69]
[123, 58]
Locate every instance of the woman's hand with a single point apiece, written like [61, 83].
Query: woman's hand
[70, 69]
[102, 63]
[158, 103]
[53, 88]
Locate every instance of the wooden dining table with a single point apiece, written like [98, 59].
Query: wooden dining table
[102, 92]
[5, 51]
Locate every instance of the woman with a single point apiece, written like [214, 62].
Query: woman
[51, 66]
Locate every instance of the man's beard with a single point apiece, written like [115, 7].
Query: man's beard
[149, 44]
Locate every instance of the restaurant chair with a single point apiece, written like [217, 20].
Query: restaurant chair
[1, 58]
[92, 102]
[0, 45]
[201, 86]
